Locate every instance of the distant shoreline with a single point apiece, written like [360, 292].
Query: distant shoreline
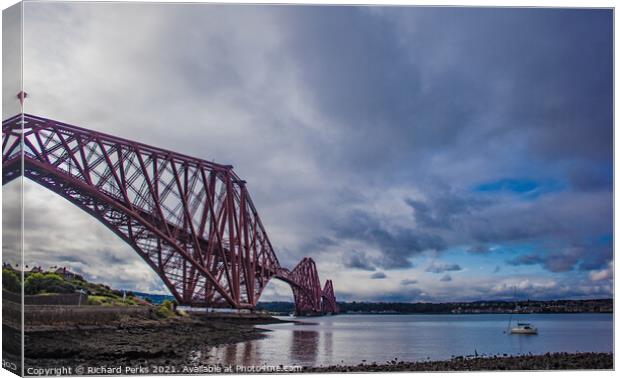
[472, 313]
[563, 306]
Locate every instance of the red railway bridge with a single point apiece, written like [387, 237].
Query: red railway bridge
[191, 220]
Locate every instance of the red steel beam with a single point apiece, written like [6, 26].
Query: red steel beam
[193, 221]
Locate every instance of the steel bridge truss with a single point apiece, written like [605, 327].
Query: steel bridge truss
[191, 220]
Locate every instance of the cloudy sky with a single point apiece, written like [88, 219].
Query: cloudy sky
[416, 154]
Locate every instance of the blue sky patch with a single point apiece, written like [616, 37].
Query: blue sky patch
[526, 187]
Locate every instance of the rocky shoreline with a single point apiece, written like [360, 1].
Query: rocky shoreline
[548, 361]
[138, 342]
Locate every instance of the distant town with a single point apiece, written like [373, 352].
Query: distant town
[604, 305]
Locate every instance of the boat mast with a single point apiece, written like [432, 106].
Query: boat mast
[510, 318]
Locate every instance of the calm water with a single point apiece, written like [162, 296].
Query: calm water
[351, 339]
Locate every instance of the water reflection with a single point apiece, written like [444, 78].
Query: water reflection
[522, 343]
[239, 354]
[304, 346]
[351, 339]
[230, 354]
[328, 351]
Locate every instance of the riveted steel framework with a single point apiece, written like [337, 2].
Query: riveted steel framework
[328, 303]
[191, 220]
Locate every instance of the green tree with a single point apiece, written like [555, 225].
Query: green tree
[11, 281]
[37, 283]
[165, 309]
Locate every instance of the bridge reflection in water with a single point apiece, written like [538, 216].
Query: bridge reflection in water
[299, 347]
[304, 346]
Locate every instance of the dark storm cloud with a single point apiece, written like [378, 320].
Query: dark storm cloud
[587, 176]
[72, 258]
[110, 257]
[442, 207]
[378, 276]
[442, 267]
[530, 259]
[461, 218]
[354, 86]
[568, 227]
[563, 259]
[359, 260]
[317, 245]
[408, 282]
[379, 70]
[479, 249]
[396, 246]
[446, 278]
[595, 257]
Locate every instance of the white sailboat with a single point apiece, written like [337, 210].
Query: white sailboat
[522, 328]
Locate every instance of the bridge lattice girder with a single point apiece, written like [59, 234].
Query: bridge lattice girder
[328, 303]
[304, 279]
[191, 220]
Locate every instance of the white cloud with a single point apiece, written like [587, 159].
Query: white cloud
[603, 274]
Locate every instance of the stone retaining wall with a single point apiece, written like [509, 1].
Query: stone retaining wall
[72, 315]
[81, 315]
[71, 299]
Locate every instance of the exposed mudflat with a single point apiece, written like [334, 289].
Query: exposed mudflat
[135, 342]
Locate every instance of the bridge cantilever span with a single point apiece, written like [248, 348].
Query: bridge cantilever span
[191, 220]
